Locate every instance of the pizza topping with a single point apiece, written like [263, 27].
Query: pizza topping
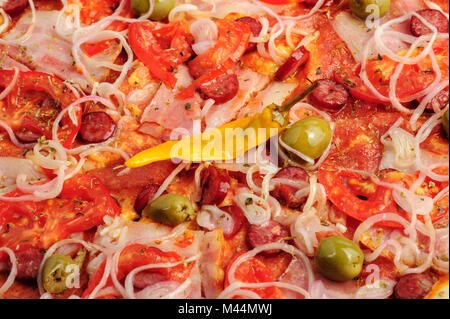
[97, 127]
[161, 47]
[56, 273]
[230, 219]
[161, 8]
[445, 122]
[255, 27]
[329, 96]
[435, 17]
[221, 89]
[34, 101]
[28, 262]
[339, 259]
[170, 209]
[232, 41]
[298, 58]
[215, 185]
[270, 232]
[289, 185]
[414, 286]
[14, 6]
[376, 169]
[145, 197]
[13, 272]
[308, 138]
[363, 8]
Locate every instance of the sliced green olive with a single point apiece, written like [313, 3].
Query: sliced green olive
[309, 136]
[363, 8]
[445, 119]
[339, 259]
[161, 8]
[170, 209]
[56, 273]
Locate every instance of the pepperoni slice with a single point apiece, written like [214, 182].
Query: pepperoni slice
[28, 262]
[238, 220]
[329, 95]
[144, 197]
[435, 17]
[413, 286]
[26, 136]
[215, 185]
[440, 100]
[298, 58]
[97, 127]
[267, 233]
[14, 6]
[285, 194]
[221, 89]
[255, 27]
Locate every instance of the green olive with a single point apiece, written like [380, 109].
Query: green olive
[363, 8]
[161, 8]
[170, 209]
[339, 259]
[56, 272]
[445, 122]
[309, 136]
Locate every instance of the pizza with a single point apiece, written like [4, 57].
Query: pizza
[273, 149]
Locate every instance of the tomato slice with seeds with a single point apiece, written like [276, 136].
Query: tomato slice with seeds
[357, 196]
[413, 78]
[232, 41]
[35, 101]
[82, 205]
[161, 47]
[252, 270]
[138, 255]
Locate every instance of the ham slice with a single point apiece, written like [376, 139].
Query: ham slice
[250, 82]
[173, 113]
[48, 52]
[7, 63]
[212, 274]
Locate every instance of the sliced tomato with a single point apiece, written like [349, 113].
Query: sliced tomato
[232, 41]
[357, 196]
[161, 47]
[137, 255]
[92, 11]
[355, 85]
[82, 205]
[253, 270]
[35, 102]
[413, 78]
[428, 188]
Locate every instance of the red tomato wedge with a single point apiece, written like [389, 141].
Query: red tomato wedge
[82, 204]
[355, 195]
[35, 102]
[161, 47]
[137, 255]
[232, 41]
[253, 270]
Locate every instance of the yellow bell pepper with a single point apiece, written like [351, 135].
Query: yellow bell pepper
[224, 143]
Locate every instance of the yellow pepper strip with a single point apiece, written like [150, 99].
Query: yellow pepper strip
[227, 142]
